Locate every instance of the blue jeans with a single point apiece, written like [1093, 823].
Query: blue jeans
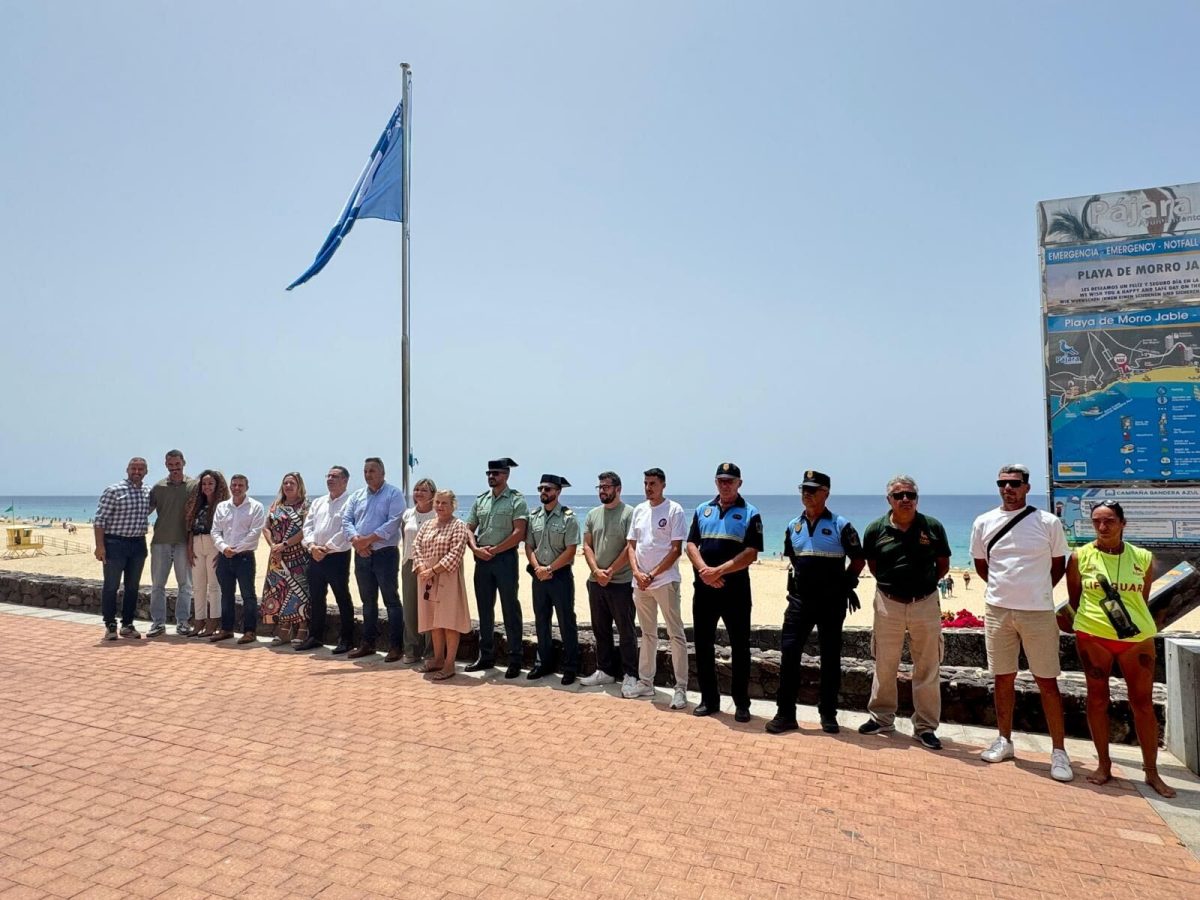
[240, 569]
[376, 574]
[122, 557]
[163, 558]
[556, 596]
[499, 574]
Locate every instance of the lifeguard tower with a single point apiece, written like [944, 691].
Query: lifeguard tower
[22, 540]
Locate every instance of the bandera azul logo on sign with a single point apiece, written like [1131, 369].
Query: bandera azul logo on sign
[1068, 355]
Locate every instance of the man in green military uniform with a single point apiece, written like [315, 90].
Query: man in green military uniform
[497, 521]
[550, 547]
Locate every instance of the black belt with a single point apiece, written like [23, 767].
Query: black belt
[901, 598]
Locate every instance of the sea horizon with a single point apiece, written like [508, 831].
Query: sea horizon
[956, 512]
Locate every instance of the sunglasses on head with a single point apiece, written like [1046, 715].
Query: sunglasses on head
[903, 495]
[1009, 482]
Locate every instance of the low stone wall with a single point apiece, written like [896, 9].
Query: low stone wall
[966, 687]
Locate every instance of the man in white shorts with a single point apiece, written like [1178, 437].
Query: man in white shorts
[656, 535]
[1021, 553]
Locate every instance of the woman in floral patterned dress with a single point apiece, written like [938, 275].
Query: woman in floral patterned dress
[285, 593]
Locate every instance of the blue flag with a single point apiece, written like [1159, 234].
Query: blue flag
[378, 193]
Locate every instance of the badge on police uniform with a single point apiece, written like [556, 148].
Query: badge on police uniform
[707, 511]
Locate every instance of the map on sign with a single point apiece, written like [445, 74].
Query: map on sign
[1124, 395]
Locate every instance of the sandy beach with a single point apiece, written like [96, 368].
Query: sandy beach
[768, 578]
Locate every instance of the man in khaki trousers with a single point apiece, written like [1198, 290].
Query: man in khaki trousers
[908, 554]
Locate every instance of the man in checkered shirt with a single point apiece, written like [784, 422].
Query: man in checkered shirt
[120, 526]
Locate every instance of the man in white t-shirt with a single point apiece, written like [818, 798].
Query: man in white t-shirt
[1021, 553]
[656, 535]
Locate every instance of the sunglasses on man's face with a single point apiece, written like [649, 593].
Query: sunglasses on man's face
[903, 495]
[1009, 482]
[492, 473]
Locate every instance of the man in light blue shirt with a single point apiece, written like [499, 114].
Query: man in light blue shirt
[371, 520]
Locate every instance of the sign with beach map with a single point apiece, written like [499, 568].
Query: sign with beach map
[1124, 395]
[1121, 305]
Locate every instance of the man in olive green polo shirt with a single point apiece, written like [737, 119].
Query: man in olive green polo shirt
[497, 521]
[550, 547]
[168, 547]
[908, 554]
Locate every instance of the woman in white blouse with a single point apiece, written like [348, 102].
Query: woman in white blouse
[416, 645]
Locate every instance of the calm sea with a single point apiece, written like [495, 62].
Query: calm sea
[955, 511]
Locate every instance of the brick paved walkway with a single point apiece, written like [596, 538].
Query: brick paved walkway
[175, 769]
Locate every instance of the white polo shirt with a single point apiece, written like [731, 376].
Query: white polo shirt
[1019, 564]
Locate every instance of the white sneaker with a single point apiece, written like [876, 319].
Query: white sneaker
[184, 629]
[627, 687]
[679, 701]
[156, 631]
[640, 692]
[1060, 766]
[1002, 748]
[597, 678]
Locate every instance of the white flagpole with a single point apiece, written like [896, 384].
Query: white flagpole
[405, 424]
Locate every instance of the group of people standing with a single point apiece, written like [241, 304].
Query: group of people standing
[413, 557]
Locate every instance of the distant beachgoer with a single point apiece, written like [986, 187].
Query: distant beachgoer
[949, 584]
[610, 585]
[657, 531]
[550, 546]
[1020, 556]
[1108, 585]
[820, 587]
[498, 521]
[202, 554]
[966, 580]
[371, 520]
[237, 526]
[941, 586]
[908, 554]
[416, 644]
[120, 526]
[442, 613]
[329, 563]
[285, 601]
[169, 547]
[724, 541]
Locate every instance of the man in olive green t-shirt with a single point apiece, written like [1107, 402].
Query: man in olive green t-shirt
[908, 554]
[610, 586]
[168, 547]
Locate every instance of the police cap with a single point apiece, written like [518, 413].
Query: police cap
[728, 470]
[502, 464]
[815, 479]
[554, 481]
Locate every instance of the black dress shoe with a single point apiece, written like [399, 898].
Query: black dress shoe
[513, 671]
[478, 666]
[703, 710]
[742, 714]
[535, 673]
[830, 726]
[340, 649]
[568, 678]
[779, 726]
[309, 643]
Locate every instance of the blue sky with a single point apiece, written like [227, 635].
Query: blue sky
[792, 235]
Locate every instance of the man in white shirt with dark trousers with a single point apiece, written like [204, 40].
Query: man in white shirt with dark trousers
[1021, 553]
[329, 564]
[237, 525]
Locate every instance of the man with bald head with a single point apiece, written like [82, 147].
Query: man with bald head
[120, 529]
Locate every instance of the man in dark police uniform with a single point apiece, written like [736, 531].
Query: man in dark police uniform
[725, 539]
[817, 544]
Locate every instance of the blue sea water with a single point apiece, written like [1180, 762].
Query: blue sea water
[955, 511]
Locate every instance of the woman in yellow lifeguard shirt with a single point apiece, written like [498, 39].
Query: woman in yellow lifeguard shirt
[1129, 570]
